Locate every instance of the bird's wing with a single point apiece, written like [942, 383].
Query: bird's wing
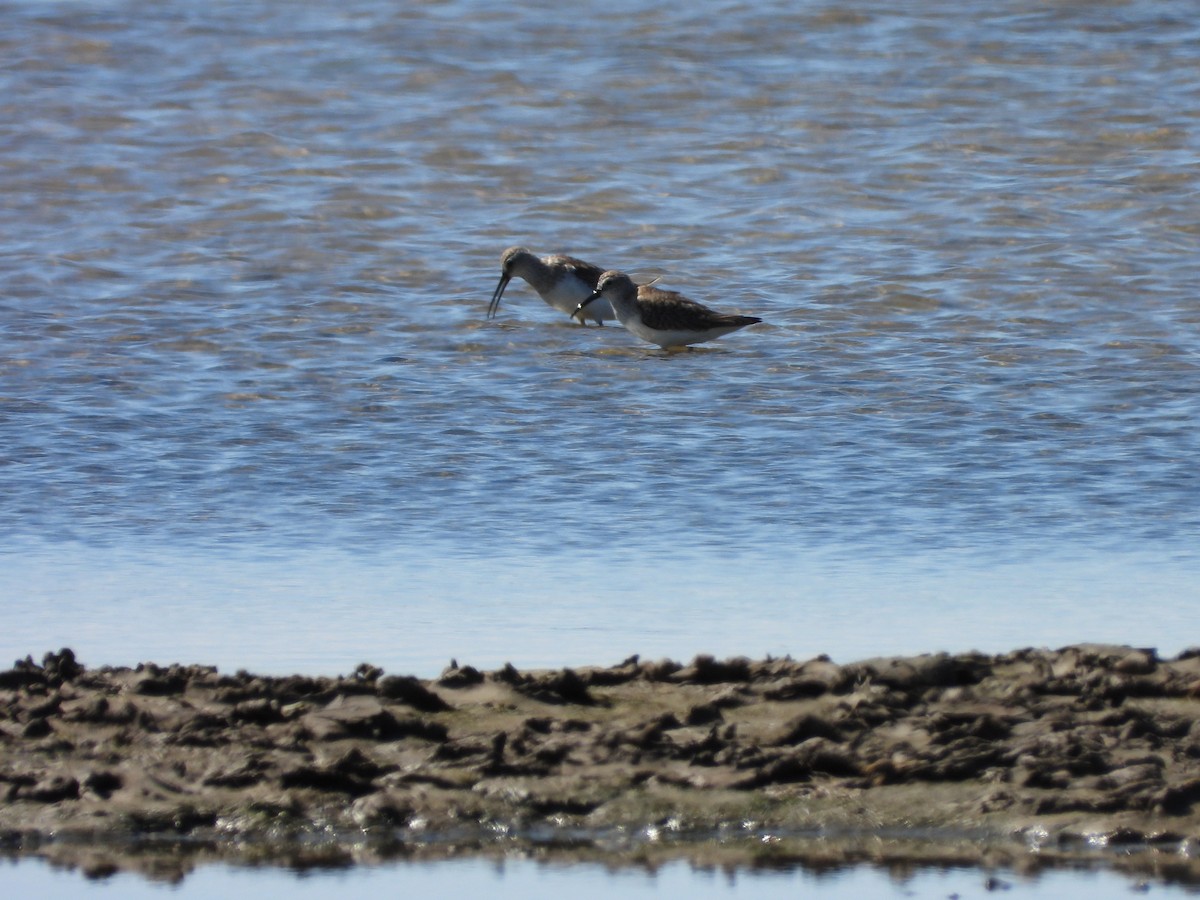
[585, 270]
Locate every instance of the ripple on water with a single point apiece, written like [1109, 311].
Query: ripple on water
[250, 255]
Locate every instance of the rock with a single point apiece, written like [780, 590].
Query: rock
[964, 759]
[46, 708]
[1139, 662]
[661, 670]
[102, 783]
[1090, 734]
[560, 687]
[706, 670]
[508, 675]
[455, 677]
[17, 678]
[796, 689]
[56, 668]
[627, 671]
[733, 696]
[938, 670]
[703, 714]
[159, 685]
[243, 774]
[365, 717]
[807, 726]
[38, 728]
[259, 712]
[350, 774]
[555, 805]
[367, 673]
[60, 667]
[408, 690]
[1178, 799]
[52, 789]
[816, 756]
[383, 808]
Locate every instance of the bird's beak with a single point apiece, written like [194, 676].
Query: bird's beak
[578, 314]
[496, 294]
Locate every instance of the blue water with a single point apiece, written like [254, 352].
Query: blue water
[527, 879]
[252, 413]
[326, 612]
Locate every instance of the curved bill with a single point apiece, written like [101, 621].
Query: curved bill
[496, 295]
[578, 314]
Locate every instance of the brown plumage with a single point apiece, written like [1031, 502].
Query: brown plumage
[562, 281]
[666, 318]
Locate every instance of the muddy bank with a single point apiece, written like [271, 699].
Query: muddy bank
[1020, 759]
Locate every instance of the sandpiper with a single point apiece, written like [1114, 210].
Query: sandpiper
[564, 282]
[666, 318]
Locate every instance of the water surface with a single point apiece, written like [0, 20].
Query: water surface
[251, 411]
[525, 878]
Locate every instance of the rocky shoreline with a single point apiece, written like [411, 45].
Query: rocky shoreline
[1020, 759]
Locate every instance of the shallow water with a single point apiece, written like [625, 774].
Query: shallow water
[251, 412]
[328, 611]
[524, 878]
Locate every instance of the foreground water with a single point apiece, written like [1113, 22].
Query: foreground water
[251, 412]
[523, 878]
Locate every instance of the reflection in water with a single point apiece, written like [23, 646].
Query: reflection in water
[933, 875]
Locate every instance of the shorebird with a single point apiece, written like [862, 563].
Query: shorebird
[564, 282]
[666, 318]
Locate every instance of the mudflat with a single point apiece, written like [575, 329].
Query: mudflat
[1026, 757]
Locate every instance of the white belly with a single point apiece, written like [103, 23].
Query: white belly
[671, 337]
[568, 293]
